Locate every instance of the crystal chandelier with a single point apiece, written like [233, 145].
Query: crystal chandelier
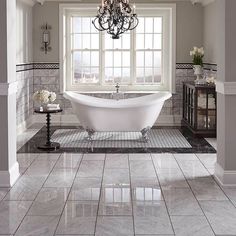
[116, 17]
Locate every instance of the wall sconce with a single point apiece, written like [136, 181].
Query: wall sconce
[46, 38]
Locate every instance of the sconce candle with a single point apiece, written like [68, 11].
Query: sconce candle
[46, 38]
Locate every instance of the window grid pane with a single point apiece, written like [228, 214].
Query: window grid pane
[149, 51]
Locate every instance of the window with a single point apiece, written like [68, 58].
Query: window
[141, 60]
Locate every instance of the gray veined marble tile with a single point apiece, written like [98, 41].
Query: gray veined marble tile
[164, 161]
[142, 169]
[231, 194]
[42, 165]
[144, 182]
[62, 178]
[115, 201]
[139, 157]
[146, 194]
[90, 169]
[185, 157]
[116, 161]
[116, 177]
[207, 189]
[87, 183]
[38, 226]
[11, 215]
[48, 156]
[49, 202]
[94, 157]
[86, 189]
[181, 202]
[78, 218]
[172, 178]
[69, 160]
[221, 215]
[208, 160]
[191, 225]
[25, 160]
[151, 218]
[3, 192]
[26, 188]
[114, 226]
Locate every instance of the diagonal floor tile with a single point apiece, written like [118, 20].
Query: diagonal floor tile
[114, 226]
[94, 156]
[90, 169]
[142, 169]
[26, 188]
[140, 157]
[69, 160]
[49, 202]
[172, 178]
[207, 189]
[116, 161]
[115, 201]
[181, 202]
[62, 178]
[164, 161]
[11, 215]
[38, 226]
[116, 177]
[221, 215]
[78, 218]
[191, 225]
[151, 218]
[3, 192]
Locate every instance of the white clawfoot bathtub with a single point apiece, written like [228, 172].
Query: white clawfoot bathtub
[132, 114]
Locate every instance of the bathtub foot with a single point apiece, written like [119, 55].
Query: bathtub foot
[145, 133]
[90, 134]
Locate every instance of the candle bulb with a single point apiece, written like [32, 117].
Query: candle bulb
[134, 9]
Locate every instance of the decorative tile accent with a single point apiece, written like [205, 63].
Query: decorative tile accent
[46, 66]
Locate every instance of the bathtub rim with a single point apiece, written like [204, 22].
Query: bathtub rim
[151, 99]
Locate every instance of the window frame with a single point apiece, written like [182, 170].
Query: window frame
[142, 10]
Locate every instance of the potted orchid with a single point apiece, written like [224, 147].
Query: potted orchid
[197, 54]
[44, 97]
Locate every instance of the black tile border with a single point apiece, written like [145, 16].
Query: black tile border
[199, 145]
[37, 66]
[188, 66]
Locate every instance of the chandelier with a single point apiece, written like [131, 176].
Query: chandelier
[116, 17]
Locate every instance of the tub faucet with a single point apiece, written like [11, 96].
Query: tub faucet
[117, 87]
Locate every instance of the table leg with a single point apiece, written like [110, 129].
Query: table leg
[49, 146]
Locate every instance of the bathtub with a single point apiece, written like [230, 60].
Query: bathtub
[132, 114]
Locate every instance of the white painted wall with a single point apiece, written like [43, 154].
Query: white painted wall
[24, 42]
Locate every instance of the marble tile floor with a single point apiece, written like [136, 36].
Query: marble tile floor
[117, 195]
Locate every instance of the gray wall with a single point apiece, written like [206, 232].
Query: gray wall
[210, 33]
[189, 29]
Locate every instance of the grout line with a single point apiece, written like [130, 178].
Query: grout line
[195, 195]
[101, 187]
[162, 193]
[131, 194]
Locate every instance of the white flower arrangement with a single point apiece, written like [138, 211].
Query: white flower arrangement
[197, 54]
[210, 80]
[44, 96]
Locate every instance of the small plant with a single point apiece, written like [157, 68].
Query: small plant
[197, 54]
[44, 96]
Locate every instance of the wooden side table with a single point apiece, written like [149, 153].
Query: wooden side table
[48, 146]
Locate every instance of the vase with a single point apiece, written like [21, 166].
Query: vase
[198, 72]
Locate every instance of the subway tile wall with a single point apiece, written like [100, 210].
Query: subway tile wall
[46, 76]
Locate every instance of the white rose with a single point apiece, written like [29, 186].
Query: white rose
[52, 97]
[195, 49]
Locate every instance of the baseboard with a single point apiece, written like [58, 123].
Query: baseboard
[24, 125]
[224, 177]
[8, 178]
[71, 119]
